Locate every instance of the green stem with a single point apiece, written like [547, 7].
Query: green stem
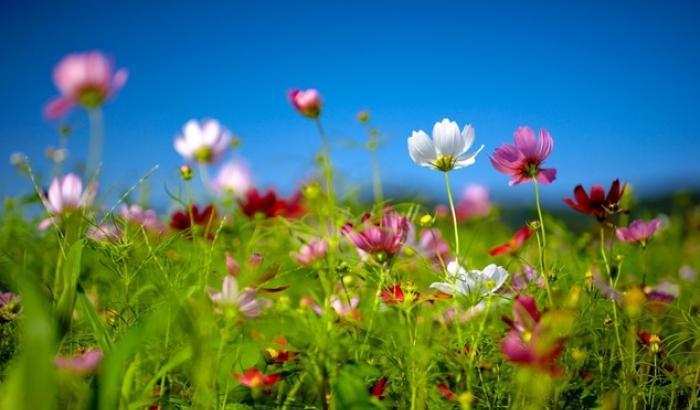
[612, 285]
[96, 141]
[543, 245]
[454, 213]
[328, 174]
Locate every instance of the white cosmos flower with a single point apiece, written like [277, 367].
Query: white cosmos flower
[446, 150]
[203, 142]
[464, 282]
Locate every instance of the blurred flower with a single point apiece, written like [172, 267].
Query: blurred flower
[232, 266]
[144, 217]
[474, 203]
[688, 273]
[203, 142]
[464, 282]
[343, 308]
[445, 151]
[433, 246]
[186, 172]
[66, 195]
[9, 306]
[650, 340]
[279, 354]
[665, 292]
[597, 204]
[378, 389]
[529, 275]
[394, 295]
[306, 102]
[446, 392]
[88, 79]
[234, 176]
[229, 296]
[381, 238]
[512, 246]
[638, 232]
[82, 364]
[529, 342]
[270, 205]
[310, 252]
[522, 161]
[105, 232]
[19, 160]
[182, 220]
[57, 156]
[255, 379]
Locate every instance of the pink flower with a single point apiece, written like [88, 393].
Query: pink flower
[87, 79]
[529, 275]
[145, 217]
[309, 253]
[204, 142]
[307, 102]
[230, 296]
[639, 232]
[234, 176]
[82, 364]
[255, 379]
[66, 195]
[474, 203]
[381, 238]
[522, 161]
[342, 307]
[432, 246]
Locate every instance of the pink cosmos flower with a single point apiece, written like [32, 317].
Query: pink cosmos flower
[433, 246]
[82, 364]
[474, 203]
[235, 177]
[230, 296]
[307, 102]
[145, 217]
[204, 142]
[66, 195]
[638, 232]
[88, 79]
[255, 379]
[309, 253]
[342, 307]
[529, 276]
[381, 238]
[522, 161]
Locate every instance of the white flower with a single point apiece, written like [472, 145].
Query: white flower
[234, 176]
[66, 194]
[464, 282]
[203, 142]
[247, 304]
[445, 151]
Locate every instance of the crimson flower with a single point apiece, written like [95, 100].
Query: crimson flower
[446, 392]
[394, 295]
[270, 204]
[183, 219]
[379, 388]
[255, 379]
[597, 203]
[279, 354]
[522, 161]
[520, 237]
[381, 238]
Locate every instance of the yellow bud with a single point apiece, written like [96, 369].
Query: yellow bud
[186, 172]
[426, 220]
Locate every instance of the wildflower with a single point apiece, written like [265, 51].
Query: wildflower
[517, 241]
[530, 342]
[446, 150]
[9, 306]
[482, 282]
[394, 295]
[474, 203]
[309, 253]
[183, 220]
[529, 275]
[186, 172]
[82, 364]
[230, 296]
[650, 340]
[446, 392]
[232, 266]
[597, 204]
[88, 79]
[433, 246]
[233, 177]
[664, 292]
[144, 217]
[203, 142]
[638, 232]
[522, 161]
[306, 102]
[381, 239]
[688, 273]
[270, 205]
[255, 379]
[279, 354]
[66, 195]
[378, 389]
[343, 308]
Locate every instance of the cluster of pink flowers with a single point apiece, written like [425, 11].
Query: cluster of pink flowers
[381, 237]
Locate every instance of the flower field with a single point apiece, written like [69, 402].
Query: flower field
[239, 297]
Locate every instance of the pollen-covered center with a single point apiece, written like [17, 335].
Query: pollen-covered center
[91, 97]
[445, 163]
[204, 154]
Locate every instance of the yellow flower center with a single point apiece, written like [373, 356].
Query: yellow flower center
[204, 154]
[445, 163]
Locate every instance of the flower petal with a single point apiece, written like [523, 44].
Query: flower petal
[421, 149]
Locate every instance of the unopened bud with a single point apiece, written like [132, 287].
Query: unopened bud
[363, 116]
[186, 172]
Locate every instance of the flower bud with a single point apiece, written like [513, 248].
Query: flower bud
[186, 172]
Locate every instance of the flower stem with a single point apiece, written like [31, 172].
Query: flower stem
[327, 173]
[454, 213]
[542, 245]
[96, 141]
[612, 285]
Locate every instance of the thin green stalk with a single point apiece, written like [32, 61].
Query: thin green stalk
[96, 141]
[612, 285]
[328, 174]
[454, 213]
[542, 246]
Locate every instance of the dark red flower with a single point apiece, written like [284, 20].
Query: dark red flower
[183, 219]
[446, 392]
[518, 239]
[270, 205]
[379, 388]
[650, 340]
[597, 204]
[394, 295]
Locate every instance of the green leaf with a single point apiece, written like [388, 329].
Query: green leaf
[70, 273]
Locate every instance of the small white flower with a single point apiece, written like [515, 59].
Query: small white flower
[234, 176]
[203, 142]
[446, 150]
[464, 282]
[246, 301]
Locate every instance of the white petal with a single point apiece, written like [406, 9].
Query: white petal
[448, 140]
[193, 134]
[184, 148]
[454, 268]
[443, 287]
[210, 132]
[421, 149]
[229, 290]
[467, 160]
[55, 201]
[71, 189]
[468, 136]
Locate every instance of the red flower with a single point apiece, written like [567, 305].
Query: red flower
[379, 387]
[281, 354]
[182, 220]
[521, 235]
[446, 392]
[270, 205]
[255, 379]
[393, 295]
[597, 204]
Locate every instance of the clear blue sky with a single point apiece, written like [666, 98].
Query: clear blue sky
[617, 85]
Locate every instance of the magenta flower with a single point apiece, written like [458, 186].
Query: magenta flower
[66, 195]
[315, 250]
[82, 364]
[522, 161]
[145, 217]
[381, 238]
[306, 102]
[638, 232]
[88, 79]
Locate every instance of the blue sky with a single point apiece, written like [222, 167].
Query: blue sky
[615, 84]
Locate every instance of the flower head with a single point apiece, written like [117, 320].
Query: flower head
[306, 102]
[66, 195]
[270, 205]
[234, 176]
[446, 150]
[309, 253]
[9, 305]
[461, 281]
[433, 246]
[638, 232]
[145, 217]
[517, 241]
[88, 79]
[255, 379]
[204, 142]
[381, 238]
[229, 296]
[82, 364]
[184, 219]
[597, 204]
[378, 389]
[522, 161]
[474, 203]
